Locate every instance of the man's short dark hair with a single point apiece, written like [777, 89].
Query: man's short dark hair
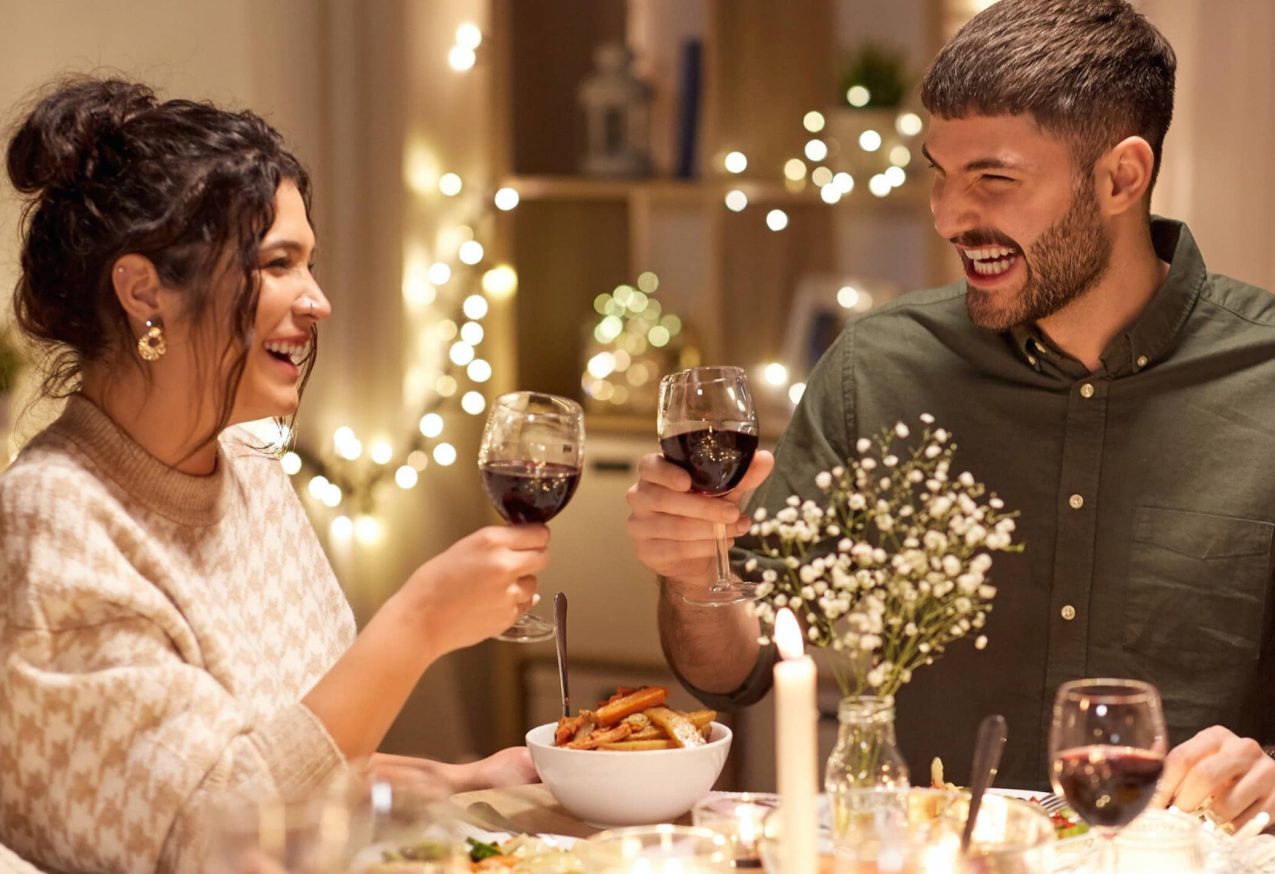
[1092, 71]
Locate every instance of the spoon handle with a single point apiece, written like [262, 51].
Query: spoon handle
[560, 638]
[992, 733]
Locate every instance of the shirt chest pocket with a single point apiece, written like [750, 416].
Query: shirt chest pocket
[1197, 586]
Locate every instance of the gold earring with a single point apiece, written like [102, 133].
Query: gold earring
[151, 345]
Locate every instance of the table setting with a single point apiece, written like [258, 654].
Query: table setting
[887, 570]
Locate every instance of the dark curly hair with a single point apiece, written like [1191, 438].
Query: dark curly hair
[1093, 71]
[108, 169]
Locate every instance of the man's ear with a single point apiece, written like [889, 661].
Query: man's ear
[137, 287]
[1124, 175]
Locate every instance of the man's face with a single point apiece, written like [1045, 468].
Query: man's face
[1025, 223]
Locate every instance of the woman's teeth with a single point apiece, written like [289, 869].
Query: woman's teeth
[294, 352]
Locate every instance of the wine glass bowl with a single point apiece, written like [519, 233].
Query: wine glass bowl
[707, 426]
[530, 459]
[1107, 744]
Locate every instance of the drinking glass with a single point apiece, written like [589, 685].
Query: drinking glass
[277, 836]
[530, 460]
[708, 427]
[1107, 744]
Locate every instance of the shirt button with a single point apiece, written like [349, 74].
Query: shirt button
[1076, 502]
[1142, 361]
[1068, 612]
[1086, 390]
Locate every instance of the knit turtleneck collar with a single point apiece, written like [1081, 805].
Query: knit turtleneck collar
[180, 497]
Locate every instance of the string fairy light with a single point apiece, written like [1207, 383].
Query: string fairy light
[346, 478]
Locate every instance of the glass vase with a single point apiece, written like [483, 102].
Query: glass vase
[865, 757]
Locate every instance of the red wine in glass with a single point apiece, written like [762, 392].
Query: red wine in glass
[708, 427]
[716, 458]
[529, 461]
[1107, 743]
[524, 491]
[1108, 785]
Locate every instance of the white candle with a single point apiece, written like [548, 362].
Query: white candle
[796, 719]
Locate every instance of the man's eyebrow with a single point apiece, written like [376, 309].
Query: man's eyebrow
[973, 166]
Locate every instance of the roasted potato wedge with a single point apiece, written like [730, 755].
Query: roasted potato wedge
[682, 731]
[643, 699]
[635, 745]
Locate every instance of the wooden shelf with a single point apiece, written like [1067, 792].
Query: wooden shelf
[912, 196]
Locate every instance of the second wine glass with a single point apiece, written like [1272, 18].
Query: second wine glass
[1107, 744]
[530, 460]
[708, 427]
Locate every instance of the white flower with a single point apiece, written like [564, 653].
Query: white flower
[940, 435]
[901, 430]
[823, 480]
[868, 464]
[863, 445]
[750, 565]
[890, 460]
[793, 501]
[966, 479]
[980, 642]
[857, 501]
[760, 514]
[927, 418]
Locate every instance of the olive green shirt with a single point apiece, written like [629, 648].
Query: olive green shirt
[1147, 494]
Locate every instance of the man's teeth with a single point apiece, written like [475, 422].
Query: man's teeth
[295, 351]
[992, 260]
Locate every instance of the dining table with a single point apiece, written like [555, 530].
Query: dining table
[532, 809]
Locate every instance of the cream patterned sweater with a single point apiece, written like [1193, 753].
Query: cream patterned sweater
[157, 633]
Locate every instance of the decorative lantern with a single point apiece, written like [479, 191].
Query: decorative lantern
[617, 111]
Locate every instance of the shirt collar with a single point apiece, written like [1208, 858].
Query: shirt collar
[1155, 333]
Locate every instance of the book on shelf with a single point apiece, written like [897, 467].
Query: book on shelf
[688, 110]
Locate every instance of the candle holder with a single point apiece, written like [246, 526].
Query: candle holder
[739, 817]
[656, 849]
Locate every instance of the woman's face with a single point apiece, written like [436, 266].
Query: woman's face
[290, 304]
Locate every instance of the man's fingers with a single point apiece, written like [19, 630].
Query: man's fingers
[654, 468]
[762, 464]
[1182, 758]
[662, 526]
[1250, 793]
[646, 498]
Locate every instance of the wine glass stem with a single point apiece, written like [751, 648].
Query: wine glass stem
[1108, 856]
[723, 556]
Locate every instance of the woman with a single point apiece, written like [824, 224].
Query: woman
[170, 628]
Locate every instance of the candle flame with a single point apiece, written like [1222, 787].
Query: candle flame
[788, 635]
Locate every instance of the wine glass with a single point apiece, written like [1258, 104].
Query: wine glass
[530, 461]
[1107, 744]
[708, 427]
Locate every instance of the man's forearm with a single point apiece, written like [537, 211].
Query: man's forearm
[713, 648]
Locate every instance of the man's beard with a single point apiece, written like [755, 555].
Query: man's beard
[1065, 262]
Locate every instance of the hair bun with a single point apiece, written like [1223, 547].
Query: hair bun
[59, 138]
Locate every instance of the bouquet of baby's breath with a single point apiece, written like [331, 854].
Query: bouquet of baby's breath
[892, 567]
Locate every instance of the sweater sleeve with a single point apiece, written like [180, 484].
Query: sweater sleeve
[113, 741]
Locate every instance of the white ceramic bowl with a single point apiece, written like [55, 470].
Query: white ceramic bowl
[604, 787]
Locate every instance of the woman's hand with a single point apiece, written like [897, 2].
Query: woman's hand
[479, 586]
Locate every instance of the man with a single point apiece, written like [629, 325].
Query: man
[1094, 375]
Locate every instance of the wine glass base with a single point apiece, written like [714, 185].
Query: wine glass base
[529, 629]
[722, 594]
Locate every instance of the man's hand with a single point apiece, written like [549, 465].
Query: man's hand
[672, 528]
[1232, 774]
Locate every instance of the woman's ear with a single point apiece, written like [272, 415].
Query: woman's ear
[1124, 175]
[137, 287]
